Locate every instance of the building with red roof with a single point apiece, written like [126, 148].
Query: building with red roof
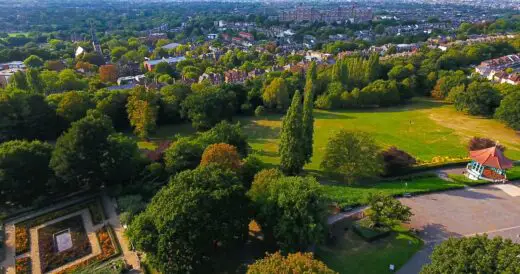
[488, 164]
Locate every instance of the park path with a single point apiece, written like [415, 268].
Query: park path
[130, 256]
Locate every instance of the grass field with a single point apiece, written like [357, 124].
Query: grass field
[423, 128]
[357, 194]
[349, 253]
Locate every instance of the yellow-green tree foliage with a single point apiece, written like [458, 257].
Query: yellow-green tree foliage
[296, 263]
[142, 109]
[275, 95]
[221, 154]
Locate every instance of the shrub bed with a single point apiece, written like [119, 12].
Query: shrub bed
[22, 239]
[50, 257]
[23, 265]
[467, 181]
[362, 228]
[97, 212]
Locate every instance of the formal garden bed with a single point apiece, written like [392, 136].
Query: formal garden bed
[109, 249]
[23, 265]
[22, 238]
[51, 257]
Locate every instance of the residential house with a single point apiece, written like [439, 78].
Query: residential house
[150, 64]
[213, 78]
[255, 73]
[235, 76]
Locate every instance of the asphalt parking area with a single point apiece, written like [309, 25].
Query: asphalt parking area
[463, 212]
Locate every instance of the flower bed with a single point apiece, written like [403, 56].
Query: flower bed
[50, 257]
[23, 265]
[22, 240]
[109, 249]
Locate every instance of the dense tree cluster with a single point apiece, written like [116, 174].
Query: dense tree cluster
[292, 263]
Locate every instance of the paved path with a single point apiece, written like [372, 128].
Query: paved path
[130, 256]
[461, 213]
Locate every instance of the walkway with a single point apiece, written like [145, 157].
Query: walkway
[130, 256]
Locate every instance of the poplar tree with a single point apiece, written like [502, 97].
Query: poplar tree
[308, 106]
[34, 81]
[291, 149]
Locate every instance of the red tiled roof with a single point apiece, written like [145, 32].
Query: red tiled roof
[492, 157]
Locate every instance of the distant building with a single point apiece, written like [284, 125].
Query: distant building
[6, 75]
[339, 14]
[212, 36]
[255, 73]
[150, 64]
[246, 35]
[213, 78]
[171, 46]
[235, 76]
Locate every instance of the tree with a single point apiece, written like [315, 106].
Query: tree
[275, 95]
[33, 61]
[74, 105]
[292, 263]
[385, 211]
[113, 104]
[34, 81]
[397, 160]
[200, 214]
[477, 254]
[89, 155]
[68, 80]
[24, 171]
[25, 115]
[183, 154]
[308, 107]
[142, 108]
[225, 132]
[291, 210]
[223, 155]
[478, 143]
[19, 81]
[479, 99]
[207, 107]
[353, 155]
[509, 110]
[292, 153]
[108, 73]
[170, 103]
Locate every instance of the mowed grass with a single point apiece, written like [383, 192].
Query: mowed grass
[424, 128]
[349, 253]
[357, 194]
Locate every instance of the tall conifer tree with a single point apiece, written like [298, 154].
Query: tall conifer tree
[292, 156]
[308, 106]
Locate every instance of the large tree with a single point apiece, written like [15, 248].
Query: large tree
[89, 155]
[207, 107]
[276, 95]
[509, 110]
[74, 105]
[33, 61]
[142, 108]
[478, 99]
[223, 155]
[192, 221]
[292, 154]
[291, 210]
[34, 81]
[308, 106]
[353, 155]
[292, 263]
[478, 254]
[24, 171]
[385, 211]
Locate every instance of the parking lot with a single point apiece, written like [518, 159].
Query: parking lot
[464, 212]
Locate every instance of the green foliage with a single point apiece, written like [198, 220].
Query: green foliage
[259, 111]
[291, 209]
[88, 155]
[24, 171]
[509, 110]
[276, 95]
[478, 99]
[113, 105]
[385, 211]
[73, 105]
[308, 116]
[34, 81]
[477, 254]
[354, 155]
[33, 61]
[201, 214]
[293, 263]
[25, 115]
[207, 107]
[183, 154]
[292, 146]
[171, 97]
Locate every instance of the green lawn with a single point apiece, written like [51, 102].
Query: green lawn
[514, 173]
[357, 194]
[465, 180]
[423, 128]
[349, 253]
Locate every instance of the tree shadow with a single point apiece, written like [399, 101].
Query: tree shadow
[472, 194]
[435, 233]
[265, 153]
